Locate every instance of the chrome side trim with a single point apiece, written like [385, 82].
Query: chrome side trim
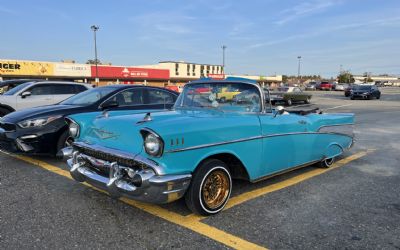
[284, 171]
[249, 139]
[214, 144]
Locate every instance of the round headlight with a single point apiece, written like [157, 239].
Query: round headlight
[152, 145]
[73, 129]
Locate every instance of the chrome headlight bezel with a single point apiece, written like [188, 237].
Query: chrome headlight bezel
[73, 128]
[37, 122]
[153, 144]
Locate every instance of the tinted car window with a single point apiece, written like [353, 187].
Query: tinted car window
[17, 88]
[63, 89]
[43, 89]
[79, 89]
[129, 97]
[157, 96]
[88, 97]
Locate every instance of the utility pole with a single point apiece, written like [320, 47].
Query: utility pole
[95, 29]
[223, 57]
[298, 69]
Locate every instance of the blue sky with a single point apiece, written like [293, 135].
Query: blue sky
[263, 36]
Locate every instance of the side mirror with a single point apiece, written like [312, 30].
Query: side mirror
[279, 110]
[25, 94]
[109, 104]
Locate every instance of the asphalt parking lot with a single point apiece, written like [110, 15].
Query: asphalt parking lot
[355, 205]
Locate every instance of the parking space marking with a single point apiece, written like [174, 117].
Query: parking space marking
[234, 201]
[190, 223]
[244, 197]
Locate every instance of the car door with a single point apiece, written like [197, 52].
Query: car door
[297, 94]
[286, 142]
[40, 94]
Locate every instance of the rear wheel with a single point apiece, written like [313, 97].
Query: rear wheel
[308, 100]
[378, 97]
[210, 188]
[327, 163]
[289, 102]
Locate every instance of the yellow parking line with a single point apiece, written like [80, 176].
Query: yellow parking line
[189, 223]
[244, 197]
[234, 201]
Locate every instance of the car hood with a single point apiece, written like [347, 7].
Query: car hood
[178, 128]
[42, 111]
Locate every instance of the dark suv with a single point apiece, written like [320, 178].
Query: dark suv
[365, 92]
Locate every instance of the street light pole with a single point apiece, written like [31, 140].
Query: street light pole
[223, 57]
[298, 69]
[95, 29]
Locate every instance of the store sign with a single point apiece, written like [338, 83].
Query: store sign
[26, 68]
[72, 69]
[217, 76]
[129, 72]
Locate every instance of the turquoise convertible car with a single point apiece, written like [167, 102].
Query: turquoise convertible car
[198, 147]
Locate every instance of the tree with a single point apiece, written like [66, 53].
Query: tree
[345, 77]
[91, 61]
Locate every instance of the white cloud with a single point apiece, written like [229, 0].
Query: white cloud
[304, 9]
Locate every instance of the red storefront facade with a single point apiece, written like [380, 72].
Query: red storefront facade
[130, 75]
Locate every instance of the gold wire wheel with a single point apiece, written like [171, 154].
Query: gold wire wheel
[216, 189]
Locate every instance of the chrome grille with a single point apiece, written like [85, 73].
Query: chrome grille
[110, 157]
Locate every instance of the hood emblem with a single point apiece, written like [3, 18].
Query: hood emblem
[103, 134]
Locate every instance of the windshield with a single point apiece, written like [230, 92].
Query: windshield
[17, 88]
[239, 97]
[283, 89]
[88, 97]
[362, 87]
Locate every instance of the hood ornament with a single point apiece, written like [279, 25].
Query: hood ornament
[146, 118]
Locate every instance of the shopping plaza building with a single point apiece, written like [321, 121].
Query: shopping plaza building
[165, 73]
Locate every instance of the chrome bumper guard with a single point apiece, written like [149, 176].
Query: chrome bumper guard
[138, 184]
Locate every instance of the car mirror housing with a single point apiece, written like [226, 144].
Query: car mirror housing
[279, 110]
[25, 94]
[109, 104]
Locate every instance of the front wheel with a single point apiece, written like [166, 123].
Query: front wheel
[308, 100]
[65, 140]
[210, 188]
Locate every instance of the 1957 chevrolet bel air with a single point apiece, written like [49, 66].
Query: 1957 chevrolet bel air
[198, 147]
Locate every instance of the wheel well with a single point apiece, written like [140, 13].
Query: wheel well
[7, 107]
[236, 167]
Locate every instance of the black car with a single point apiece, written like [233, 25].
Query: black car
[9, 84]
[43, 130]
[365, 92]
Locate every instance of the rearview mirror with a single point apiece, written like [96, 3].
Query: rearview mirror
[25, 94]
[109, 104]
[279, 110]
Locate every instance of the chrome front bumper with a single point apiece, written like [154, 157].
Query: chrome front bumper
[142, 184]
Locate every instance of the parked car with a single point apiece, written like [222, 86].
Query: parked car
[325, 86]
[9, 84]
[365, 92]
[196, 149]
[341, 86]
[34, 94]
[311, 86]
[348, 90]
[290, 95]
[42, 130]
